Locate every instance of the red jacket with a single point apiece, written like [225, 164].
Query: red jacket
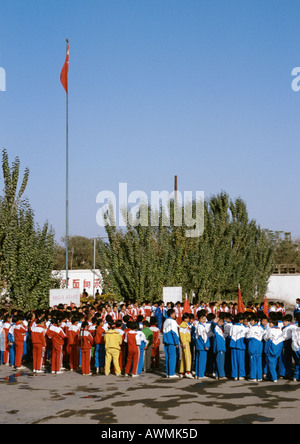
[38, 335]
[20, 332]
[57, 335]
[85, 340]
[73, 334]
[99, 336]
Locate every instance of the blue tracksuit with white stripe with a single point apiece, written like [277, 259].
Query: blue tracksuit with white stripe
[238, 350]
[219, 349]
[202, 344]
[255, 337]
[171, 345]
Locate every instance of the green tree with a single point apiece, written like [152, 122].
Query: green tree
[26, 250]
[233, 250]
[81, 254]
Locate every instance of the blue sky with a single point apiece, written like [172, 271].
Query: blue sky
[157, 88]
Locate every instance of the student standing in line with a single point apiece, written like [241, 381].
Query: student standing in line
[113, 341]
[148, 349]
[185, 342]
[202, 344]
[227, 329]
[73, 344]
[255, 336]
[171, 343]
[274, 345]
[99, 346]
[133, 342]
[219, 346]
[20, 332]
[296, 347]
[156, 344]
[7, 321]
[238, 348]
[86, 341]
[119, 329]
[286, 357]
[57, 335]
[38, 340]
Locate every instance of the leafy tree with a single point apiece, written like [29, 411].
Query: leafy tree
[26, 250]
[81, 254]
[232, 250]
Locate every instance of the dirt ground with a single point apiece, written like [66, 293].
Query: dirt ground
[71, 398]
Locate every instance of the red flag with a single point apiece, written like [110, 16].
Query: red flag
[241, 306]
[266, 307]
[64, 75]
[186, 305]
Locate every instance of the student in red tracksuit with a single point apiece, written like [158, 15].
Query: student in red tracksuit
[155, 344]
[19, 334]
[133, 341]
[38, 339]
[99, 347]
[56, 333]
[86, 341]
[6, 328]
[73, 347]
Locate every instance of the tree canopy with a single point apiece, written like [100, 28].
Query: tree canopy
[26, 250]
[233, 250]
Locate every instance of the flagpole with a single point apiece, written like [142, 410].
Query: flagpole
[67, 183]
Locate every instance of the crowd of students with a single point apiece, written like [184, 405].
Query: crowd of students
[212, 340]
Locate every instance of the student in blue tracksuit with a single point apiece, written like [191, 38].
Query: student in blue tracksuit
[255, 336]
[227, 329]
[238, 348]
[202, 344]
[286, 357]
[296, 347]
[160, 315]
[274, 344]
[219, 346]
[171, 343]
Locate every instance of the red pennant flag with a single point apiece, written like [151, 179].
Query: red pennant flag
[266, 307]
[186, 305]
[241, 306]
[64, 75]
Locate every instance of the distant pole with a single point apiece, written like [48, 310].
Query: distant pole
[67, 181]
[175, 188]
[94, 267]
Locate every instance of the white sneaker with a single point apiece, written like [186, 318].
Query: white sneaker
[189, 376]
[135, 376]
[174, 377]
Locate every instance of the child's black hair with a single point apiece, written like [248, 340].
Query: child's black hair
[170, 312]
[153, 321]
[201, 313]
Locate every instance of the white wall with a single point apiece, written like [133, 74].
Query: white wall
[285, 288]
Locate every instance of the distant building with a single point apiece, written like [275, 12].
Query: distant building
[89, 280]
